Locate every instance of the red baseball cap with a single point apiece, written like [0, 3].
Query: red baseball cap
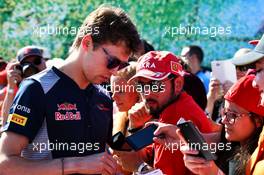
[158, 65]
[245, 95]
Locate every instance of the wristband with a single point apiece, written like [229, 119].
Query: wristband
[141, 167]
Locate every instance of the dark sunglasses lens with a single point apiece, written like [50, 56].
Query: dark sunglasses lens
[37, 61]
[113, 63]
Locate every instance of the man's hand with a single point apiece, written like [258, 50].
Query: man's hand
[138, 115]
[215, 93]
[214, 90]
[196, 164]
[129, 161]
[102, 163]
[165, 133]
[13, 75]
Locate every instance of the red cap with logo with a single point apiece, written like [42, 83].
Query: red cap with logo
[158, 65]
[245, 95]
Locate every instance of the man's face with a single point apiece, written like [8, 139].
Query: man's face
[260, 64]
[157, 101]
[191, 60]
[185, 55]
[38, 62]
[240, 73]
[97, 62]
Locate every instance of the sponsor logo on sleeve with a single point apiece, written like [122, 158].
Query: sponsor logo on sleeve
[18, 119]
[21, 108]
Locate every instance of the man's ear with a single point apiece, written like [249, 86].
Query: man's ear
[87, 42]
[178, 84]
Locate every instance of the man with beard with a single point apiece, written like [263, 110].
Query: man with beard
[165, 100]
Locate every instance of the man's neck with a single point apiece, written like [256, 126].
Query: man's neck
[171, 101]
[196, 69]
[73, 69]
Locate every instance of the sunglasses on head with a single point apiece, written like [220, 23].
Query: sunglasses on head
[36, 61]
[114, 62]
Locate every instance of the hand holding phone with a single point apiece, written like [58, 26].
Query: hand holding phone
[194, 139]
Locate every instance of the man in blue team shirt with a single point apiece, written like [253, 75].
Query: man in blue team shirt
[193, 56]
[60, 121]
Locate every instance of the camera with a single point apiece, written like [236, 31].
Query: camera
[27, 69]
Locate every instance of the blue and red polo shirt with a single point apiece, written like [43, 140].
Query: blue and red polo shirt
[53, 112]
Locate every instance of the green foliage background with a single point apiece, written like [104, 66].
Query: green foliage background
[20, 22]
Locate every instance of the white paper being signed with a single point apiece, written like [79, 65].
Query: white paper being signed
[224, 70]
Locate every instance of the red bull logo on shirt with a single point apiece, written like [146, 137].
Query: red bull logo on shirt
[66, 107]
[67, 116]
[70, 114]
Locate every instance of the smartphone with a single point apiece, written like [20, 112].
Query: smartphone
[195, 139]
[142, 138]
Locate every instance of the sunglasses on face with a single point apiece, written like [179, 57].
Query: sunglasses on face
[114, 62]
[36, 61]
[246, 67]
[231, 116]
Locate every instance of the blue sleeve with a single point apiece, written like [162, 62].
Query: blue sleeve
[27, 112]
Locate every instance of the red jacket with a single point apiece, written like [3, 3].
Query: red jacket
[171, 162]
